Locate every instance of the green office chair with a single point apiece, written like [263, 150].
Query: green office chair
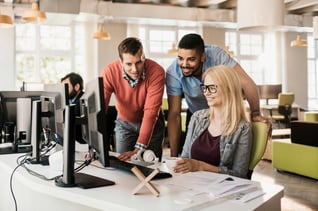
[285, 101]
[261, 133]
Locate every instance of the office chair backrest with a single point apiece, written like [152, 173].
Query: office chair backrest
[260, 132]
[286, 98]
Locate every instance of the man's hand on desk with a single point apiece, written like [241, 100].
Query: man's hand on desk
[125, 156]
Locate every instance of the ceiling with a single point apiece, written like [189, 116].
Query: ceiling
[292, 6]
[219, 13]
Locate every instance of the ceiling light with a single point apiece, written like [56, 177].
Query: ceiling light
[299, 42]
[34, 15]
[5, 21]
[101, 34]
[173, 49]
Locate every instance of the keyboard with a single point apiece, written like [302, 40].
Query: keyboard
[122, 165]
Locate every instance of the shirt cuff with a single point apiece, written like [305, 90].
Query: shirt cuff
[140, 146]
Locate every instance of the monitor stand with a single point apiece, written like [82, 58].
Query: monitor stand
[84, 181]
[36, 135]
[69, 177]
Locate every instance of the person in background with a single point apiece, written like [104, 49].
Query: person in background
[219, 138]
[75, 90]
[183, 77]
[138, 85]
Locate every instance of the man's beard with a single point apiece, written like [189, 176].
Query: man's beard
[193, 71]
[73, 94]
[196, 72]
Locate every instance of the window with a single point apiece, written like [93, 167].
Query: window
[252, 50]
[312, 78]
[45, 53]
[158, 40]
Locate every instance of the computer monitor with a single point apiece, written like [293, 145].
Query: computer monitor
[15, 118]
[54, 100]
[95, 133]
[48, 119]
[269, 91]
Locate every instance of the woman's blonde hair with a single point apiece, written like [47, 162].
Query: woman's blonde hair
[228, 84]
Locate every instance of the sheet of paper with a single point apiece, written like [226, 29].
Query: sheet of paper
[217, 185]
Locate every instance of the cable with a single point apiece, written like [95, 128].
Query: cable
[11, 180]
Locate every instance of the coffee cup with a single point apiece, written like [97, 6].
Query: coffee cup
[171, 163]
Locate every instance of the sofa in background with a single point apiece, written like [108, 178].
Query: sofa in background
[299, 154]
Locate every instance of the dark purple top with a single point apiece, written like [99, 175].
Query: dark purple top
[207, 148]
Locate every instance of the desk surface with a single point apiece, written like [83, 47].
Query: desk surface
[33, 193]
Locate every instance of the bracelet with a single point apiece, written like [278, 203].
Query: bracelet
[140, 146]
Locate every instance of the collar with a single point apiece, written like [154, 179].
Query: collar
[131, 82]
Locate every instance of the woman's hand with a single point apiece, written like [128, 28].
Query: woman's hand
[187, 165]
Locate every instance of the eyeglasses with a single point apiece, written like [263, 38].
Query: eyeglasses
[212, 89]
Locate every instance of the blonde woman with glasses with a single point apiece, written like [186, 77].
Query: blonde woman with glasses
[219, 139]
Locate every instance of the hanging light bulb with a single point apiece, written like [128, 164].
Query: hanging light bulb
[101, 34]
[173, 49]
[34, 15]
[299, 42]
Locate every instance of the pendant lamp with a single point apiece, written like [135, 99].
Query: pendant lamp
[101, 34]
[5, 21]
[229, 51]
[173, 49]
[299, 42]
[34, 15]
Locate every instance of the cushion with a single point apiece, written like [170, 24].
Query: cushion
[304, 133]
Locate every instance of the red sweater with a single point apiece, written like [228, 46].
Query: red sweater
[140, 104]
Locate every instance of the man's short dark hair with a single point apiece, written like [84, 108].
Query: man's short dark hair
[74, 78]
[131, 45]
[192, 41]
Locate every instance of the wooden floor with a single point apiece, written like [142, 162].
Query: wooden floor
[300, 193]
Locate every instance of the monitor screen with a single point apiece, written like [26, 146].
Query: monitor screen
[94, 132]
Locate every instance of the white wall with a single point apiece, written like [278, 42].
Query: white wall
[7, 58]
[107, 49]
[214, 36]
[294, 72]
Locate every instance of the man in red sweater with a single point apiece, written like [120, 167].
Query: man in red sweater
[138, 85]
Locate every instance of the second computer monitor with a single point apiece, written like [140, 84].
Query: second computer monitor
[95, 130]
[54, 100]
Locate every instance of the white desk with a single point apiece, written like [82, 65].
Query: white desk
[33, 193]
[281, 132]
[273, 109]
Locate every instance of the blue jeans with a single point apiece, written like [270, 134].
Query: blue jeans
[127, 134]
